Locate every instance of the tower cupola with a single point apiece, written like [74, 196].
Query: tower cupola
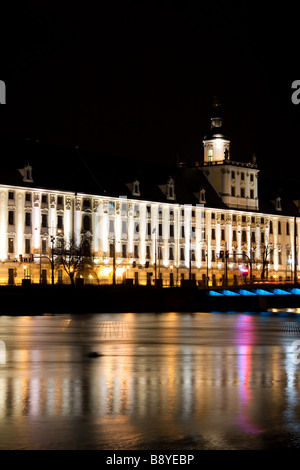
[216, 143]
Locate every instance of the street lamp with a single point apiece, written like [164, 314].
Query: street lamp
[52, 238]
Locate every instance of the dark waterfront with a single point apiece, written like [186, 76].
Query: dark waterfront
[162, 381]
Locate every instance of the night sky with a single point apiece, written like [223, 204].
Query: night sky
[137, 79]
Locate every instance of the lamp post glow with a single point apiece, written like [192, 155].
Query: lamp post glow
[52, 257]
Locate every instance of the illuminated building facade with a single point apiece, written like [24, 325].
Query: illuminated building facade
[170, 225]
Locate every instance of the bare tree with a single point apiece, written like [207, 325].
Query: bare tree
[73, 257]
[265, 253]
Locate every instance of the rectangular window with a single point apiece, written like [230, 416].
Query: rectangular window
[124, 227]
[147, 251]
[182, 254]
[182, 231]
[44, 247]
[222, 217]
[234, 235]
[171, 253]
[262, 237]
[11, 195]
[253, 220]
[44, 221]
[10, 245]
[136, 251]
[27, 245]
[287, 228]
[251, 177]
[160, 253]
[213, 215]
[148, 228]
[244, 236]
[148, 208]
[111, 226]
[233, 175]
[171, 231]
[279, 257]
[243, 176]
[262, 220]
[242, 192]
[251, 194]
[111, 250]
[234, 218]
[11, 217]
[60, 200]
[27, 219]
[271, 227]
[213, 256]
[213, 233]
[28, 197]
[243, 218]
[124, 250]
[27, 273]
[279, 228]
[222, 234]
[203, 255]
[232, 191]
[59, 221]
[44, 198]
[160, 230]
[253, 237]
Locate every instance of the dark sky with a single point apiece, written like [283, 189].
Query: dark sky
[137, 78]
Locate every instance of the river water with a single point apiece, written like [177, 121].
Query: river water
[160, 381]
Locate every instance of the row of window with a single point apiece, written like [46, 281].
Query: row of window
[242, 192]
[44, 220]
[233, 176]
[44, 198]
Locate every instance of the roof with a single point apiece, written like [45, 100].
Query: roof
[73, 170]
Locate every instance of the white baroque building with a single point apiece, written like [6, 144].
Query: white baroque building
[200, 211]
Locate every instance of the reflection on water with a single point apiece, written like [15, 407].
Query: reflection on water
[168, 381]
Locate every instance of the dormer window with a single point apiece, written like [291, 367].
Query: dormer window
[26, 172]
[278, 204]
[202, 198]
[136, 188]
[171, 189]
